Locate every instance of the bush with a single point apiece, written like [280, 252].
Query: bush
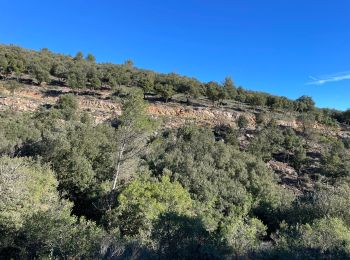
[68, 104]
[242, 121]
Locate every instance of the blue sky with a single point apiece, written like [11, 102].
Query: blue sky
[284, 47]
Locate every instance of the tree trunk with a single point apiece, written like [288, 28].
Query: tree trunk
[120, 157]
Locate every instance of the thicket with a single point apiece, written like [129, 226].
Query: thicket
[70, 188]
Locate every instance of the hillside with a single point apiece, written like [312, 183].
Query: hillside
[108, 161]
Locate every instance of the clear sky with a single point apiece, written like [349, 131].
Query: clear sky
[284, 47]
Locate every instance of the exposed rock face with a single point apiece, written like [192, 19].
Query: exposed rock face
[173, 114]
[31, 98]
[281, 167]
[203, 115]
[288, 175]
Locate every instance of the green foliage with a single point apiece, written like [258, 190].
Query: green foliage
[79, 56]
[304, 104]
[17, 133]
[191, 89]
[184, 237]
[143, 202]
[74, 72]
[40, 73]
[131, 136]
[77, 189]
[227, 133]
[213, 90]
[147, 84]
[326, 238]
[165, 91]
[26, 188]
[261, 119]
[331, 202]
[90, 57]
[82, 156]
[3, 64]
[266, 143]
[242, 236]
[256, 99]
[55, 233]
[335, 161]
[33, 221]
[76, 77]
[216, 174]
[229, 88]
[68, 105]
[242, 121]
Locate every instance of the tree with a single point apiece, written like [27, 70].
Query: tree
[147, 84]
[143, 202]
[242, 236]
[261, 118]
[256, 99]
[267, 143]
[335, 161]
[242, 121]
[213, 91]
[129, 64]
[3, 64]
[191, 89]
[76, 77]
[59, 70]
[293, 144]
[307, 123]
[90, 58]
[134, 126]
[79, 56]
[40, 73]
[345, 116]
[196, 241]
[95, 83]
[325, 238]
[229, 88]
[304, 104]
[68, 104]
[34, 222]
[56, 233]
[26, 187]
[165, 91]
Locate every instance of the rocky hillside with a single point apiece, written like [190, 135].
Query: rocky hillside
[103, 105]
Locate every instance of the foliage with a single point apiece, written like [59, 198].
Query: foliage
[242, 121]
[242, 236]
[184, 237]
[324, 238]
[131, 136]
[73, 188]
[68, 104]
[143, 202]
[26, 188]
[217, 175]
[165, 91]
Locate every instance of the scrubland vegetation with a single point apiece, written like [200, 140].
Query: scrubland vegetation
[128, 188]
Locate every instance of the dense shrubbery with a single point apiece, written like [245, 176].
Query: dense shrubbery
[123, 189]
